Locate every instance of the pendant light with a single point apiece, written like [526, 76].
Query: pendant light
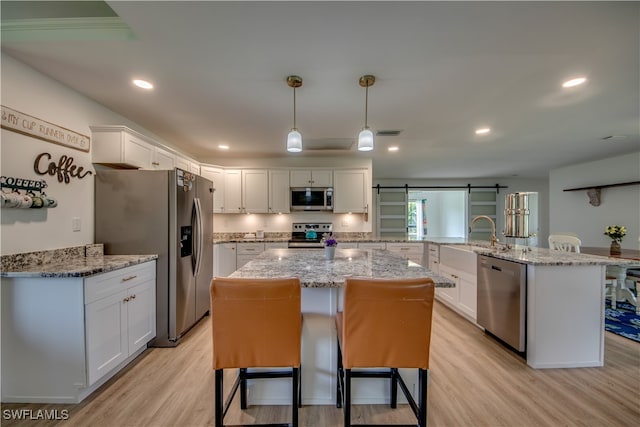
[365, 138]
[294, 139]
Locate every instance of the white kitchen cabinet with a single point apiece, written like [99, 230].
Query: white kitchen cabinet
[463, 298]
[255, 191]
[187, 164]
[311, 178]
[119, 145]
[434, 257]
[246, 191]
[461, 267]
[120, 316]
[233, 191]
[350, 191]
[279, 194]
[162, 159]
[224, 259]
[215, 175]
[182, 163]
[194, 168]
[62, 338]
[122, 146]
[448, 295]
[411, 251]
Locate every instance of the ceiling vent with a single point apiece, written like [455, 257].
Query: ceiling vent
[343, 144]
[388, 132]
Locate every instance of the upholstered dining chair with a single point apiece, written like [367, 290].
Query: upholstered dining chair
[386, 324]
[256, 323]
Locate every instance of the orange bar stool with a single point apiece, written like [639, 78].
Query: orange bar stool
[256, 323]
[385, 324]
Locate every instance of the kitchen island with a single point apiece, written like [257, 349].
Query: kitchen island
[564, 300]
[322, 282]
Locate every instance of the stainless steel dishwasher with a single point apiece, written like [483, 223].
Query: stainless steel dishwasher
[502, 300]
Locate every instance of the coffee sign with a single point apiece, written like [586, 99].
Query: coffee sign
[64, 168]
[31, 126]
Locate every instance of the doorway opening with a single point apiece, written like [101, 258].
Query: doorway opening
[436, 214]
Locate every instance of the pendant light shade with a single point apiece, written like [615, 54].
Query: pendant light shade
[294, 139]
[365, 138]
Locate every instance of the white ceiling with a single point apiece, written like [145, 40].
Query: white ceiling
[443, 69]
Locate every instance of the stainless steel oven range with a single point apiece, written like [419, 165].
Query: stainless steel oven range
[309, 235]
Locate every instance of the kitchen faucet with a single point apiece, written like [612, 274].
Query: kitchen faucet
[494, 240]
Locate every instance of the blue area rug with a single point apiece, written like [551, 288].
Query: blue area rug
[622, 321]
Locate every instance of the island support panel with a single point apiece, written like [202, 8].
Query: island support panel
[565, 316]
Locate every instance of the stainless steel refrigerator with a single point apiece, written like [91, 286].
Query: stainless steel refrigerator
[169, 213]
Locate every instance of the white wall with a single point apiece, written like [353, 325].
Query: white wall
[571, 211]
[30, 92]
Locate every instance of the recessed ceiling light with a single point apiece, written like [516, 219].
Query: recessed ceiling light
[483, 131]
[143, 84]
[574, 82]
[223, 146]
[393, 148]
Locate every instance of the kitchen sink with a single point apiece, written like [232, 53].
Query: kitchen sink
[461, 257]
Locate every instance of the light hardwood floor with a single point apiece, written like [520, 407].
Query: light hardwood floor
[474, 381]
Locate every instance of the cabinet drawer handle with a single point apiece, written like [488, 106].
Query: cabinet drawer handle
[126, 279]
[126, 299]
[155, 163]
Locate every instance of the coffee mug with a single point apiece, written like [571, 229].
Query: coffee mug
[25, 202]
[36, 202]
[49, 202]
[9, 200]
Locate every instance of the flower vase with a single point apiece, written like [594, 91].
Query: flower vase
[615, 248]
[329, 252]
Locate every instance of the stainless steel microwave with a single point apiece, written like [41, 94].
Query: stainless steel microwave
[311, 199]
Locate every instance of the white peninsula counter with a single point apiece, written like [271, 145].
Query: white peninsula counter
[321, 282]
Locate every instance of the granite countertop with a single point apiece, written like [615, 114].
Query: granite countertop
[315, 271]
[542, 256]
[79, 266]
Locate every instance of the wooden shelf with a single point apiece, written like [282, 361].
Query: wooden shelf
[598, 187]
[593, 192]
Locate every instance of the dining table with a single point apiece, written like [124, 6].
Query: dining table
[621, 272]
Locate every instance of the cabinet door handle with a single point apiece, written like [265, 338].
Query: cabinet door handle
[133, 296]
[126, 299]
[126, 279]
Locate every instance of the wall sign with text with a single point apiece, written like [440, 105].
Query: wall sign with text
[31, 126]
